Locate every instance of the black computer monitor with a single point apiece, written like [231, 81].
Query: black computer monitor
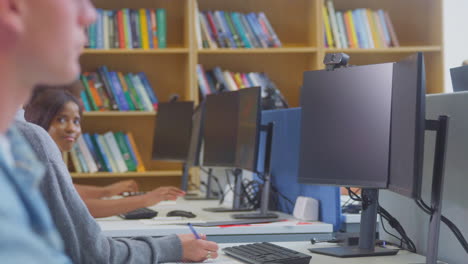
[345, 126]
[459, 78]
[196, 138]
[364, 127]
[407, 132]
[232, 129]
[173, 131]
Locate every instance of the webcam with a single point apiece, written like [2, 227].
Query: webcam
[336, 60]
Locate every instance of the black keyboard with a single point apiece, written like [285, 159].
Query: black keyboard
[265, 252]
[141, 213]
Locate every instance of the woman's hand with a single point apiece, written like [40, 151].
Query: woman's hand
[162, 194]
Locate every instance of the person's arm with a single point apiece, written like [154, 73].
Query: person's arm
[105, 208]
[97, 192]
[20, 243]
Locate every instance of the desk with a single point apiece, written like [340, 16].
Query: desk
[290, 230]
[403, 256]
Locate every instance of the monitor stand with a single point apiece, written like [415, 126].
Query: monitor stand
[366, 248]
[267, 180]
[441, 128]
[209, 194]
[236, 207]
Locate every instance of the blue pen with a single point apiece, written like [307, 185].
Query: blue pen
[193, 231]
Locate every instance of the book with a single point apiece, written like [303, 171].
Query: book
[131, 140]
[88, 158]
[108, 153]
[154, 28]
[161, 22]
[328, 32]
[143, 28]
[75, 161]
[119, 138]
[115, 152]
[94, 153]
[101, 151]
[123, 85]
[149, 90]
[141, 92]
[395, 42]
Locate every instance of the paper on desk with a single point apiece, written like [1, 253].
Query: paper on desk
[171, 222]
[221, 259]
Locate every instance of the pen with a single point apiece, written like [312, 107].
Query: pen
[193, 231]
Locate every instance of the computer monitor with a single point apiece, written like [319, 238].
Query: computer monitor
[232, 129]
[173, 131]
[345, 126]
[459, 78]
[364, 127]
[407, 132]
[196, 138]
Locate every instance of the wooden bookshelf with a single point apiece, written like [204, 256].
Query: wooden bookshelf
[298, 24]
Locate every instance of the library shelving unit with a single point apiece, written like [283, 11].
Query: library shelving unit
[299, 26]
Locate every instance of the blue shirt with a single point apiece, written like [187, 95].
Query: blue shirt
[27, 233]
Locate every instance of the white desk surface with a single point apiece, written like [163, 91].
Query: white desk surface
[402, 256]
[116, 227]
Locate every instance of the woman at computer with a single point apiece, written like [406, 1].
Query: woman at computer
[59, 112]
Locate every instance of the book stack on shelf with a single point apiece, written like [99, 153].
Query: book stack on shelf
[109, 152]
[110, 90]
[358, 28]
[128, 29]
[217, 80]
[223, 29]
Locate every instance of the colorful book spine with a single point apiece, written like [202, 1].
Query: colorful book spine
[162, 27]
[88, 158]
[119, 94]
[115, 152]
[134, 94]
[242, 33]
[85, 100]
[93, 105]
[149, 90]
[105, 148]
[154, 28]
[125, 151]
[149, 29]
[126, 92]
[100, 150]
[328, 33]
[131, 140]
[141, 92]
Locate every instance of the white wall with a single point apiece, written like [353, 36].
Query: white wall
[455, 36]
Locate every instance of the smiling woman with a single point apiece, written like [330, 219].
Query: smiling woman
[59, 112]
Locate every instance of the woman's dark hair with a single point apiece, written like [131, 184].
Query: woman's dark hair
[46, 102]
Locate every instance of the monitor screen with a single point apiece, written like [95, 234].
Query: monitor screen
[231, 129]
[345, 126]
[172, 132]
[407, 132]
[196, 138]
[459, 78]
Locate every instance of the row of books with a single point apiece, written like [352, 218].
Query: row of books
[358, 28]
[128, 29]
[109, 152]
[217, 80]
[111, 90]
[223, 29]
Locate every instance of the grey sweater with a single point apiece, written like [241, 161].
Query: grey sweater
[82, 236]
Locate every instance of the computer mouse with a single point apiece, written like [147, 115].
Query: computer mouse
[181, 213]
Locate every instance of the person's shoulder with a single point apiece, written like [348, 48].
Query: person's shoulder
[40, 141]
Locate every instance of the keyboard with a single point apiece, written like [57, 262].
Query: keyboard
[259, 253]
[140, 213]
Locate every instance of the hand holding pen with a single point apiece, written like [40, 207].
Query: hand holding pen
[196, 248]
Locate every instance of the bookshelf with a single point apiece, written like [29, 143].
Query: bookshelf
[298, 24]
